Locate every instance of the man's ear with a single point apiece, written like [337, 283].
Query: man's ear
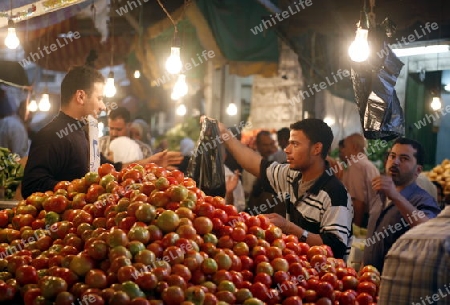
[317, 148]
[80, 96]
[419, 169]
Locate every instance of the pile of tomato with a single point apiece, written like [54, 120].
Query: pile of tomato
[147, 235]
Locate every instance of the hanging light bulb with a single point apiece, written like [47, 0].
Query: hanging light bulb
[174, 95]
[359, 49]
[232, 109]
[436, 103]
[33, 106]
[11, 40]
[44, 103]
[181, 110]
[173, 63]
[110, 88]
[137, 74]
[180, 88]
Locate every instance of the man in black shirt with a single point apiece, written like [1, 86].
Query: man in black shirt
[60, 150]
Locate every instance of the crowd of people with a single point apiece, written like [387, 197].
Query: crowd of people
[288, 179]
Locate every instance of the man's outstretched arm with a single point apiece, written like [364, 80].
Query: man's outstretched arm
[245, 156]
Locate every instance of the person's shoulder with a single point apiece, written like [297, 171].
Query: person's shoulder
[142, 144]
[104, 138]
[420, 192]
[336, 190]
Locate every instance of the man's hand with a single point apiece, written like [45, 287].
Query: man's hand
[281, 222]
[232, 182]
[386, 185]
[222, 128]
[165, 158]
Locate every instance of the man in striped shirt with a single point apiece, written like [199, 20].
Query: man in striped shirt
[319, 209]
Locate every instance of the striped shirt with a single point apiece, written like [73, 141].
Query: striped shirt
[417, 267]
[106, 140]
[325, 209]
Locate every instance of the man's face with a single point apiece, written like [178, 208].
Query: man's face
[93, 103]
[135, 134]
[117, 128]
[401, 164]
[299, 152]
[265, 146]
[346, 150]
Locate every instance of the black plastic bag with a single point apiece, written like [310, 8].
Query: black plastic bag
[206, 163]
[379, 108]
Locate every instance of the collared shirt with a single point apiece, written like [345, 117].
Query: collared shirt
[417, 267]
[106, 140]
[386, 224]
[325, 209]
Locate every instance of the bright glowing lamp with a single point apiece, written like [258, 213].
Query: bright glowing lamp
[181, 110]
[137, 74]
[232, 109]
[180, 88]
[44, 103]
[436, 103]
[359, 49]
[11, 40]
[173, 63]
[110, 88]
[33, 106]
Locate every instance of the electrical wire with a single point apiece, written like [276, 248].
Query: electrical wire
[168, 15]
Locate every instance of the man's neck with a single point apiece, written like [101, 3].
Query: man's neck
[403, 186]
[314, 171]
[73, 113]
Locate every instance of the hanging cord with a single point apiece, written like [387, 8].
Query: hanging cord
[46, 57]
[168, 15]
[112, 37]
[94, 11]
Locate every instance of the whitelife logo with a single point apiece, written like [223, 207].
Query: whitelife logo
[206, 55]
[340, 75]
[265, 24]
[33, 57]
[404, 41]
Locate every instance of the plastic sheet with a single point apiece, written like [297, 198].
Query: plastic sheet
[206, 164]
[379, 107]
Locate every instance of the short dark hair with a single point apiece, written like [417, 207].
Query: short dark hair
[79, 78]
[283, 134]
[420, 152]
[120, 113]
[317, 131]
[260, 134]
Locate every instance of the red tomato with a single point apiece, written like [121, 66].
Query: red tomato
[364, 299]
[26, 275]
[105, 169]
[264, 278]
[367, 287]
